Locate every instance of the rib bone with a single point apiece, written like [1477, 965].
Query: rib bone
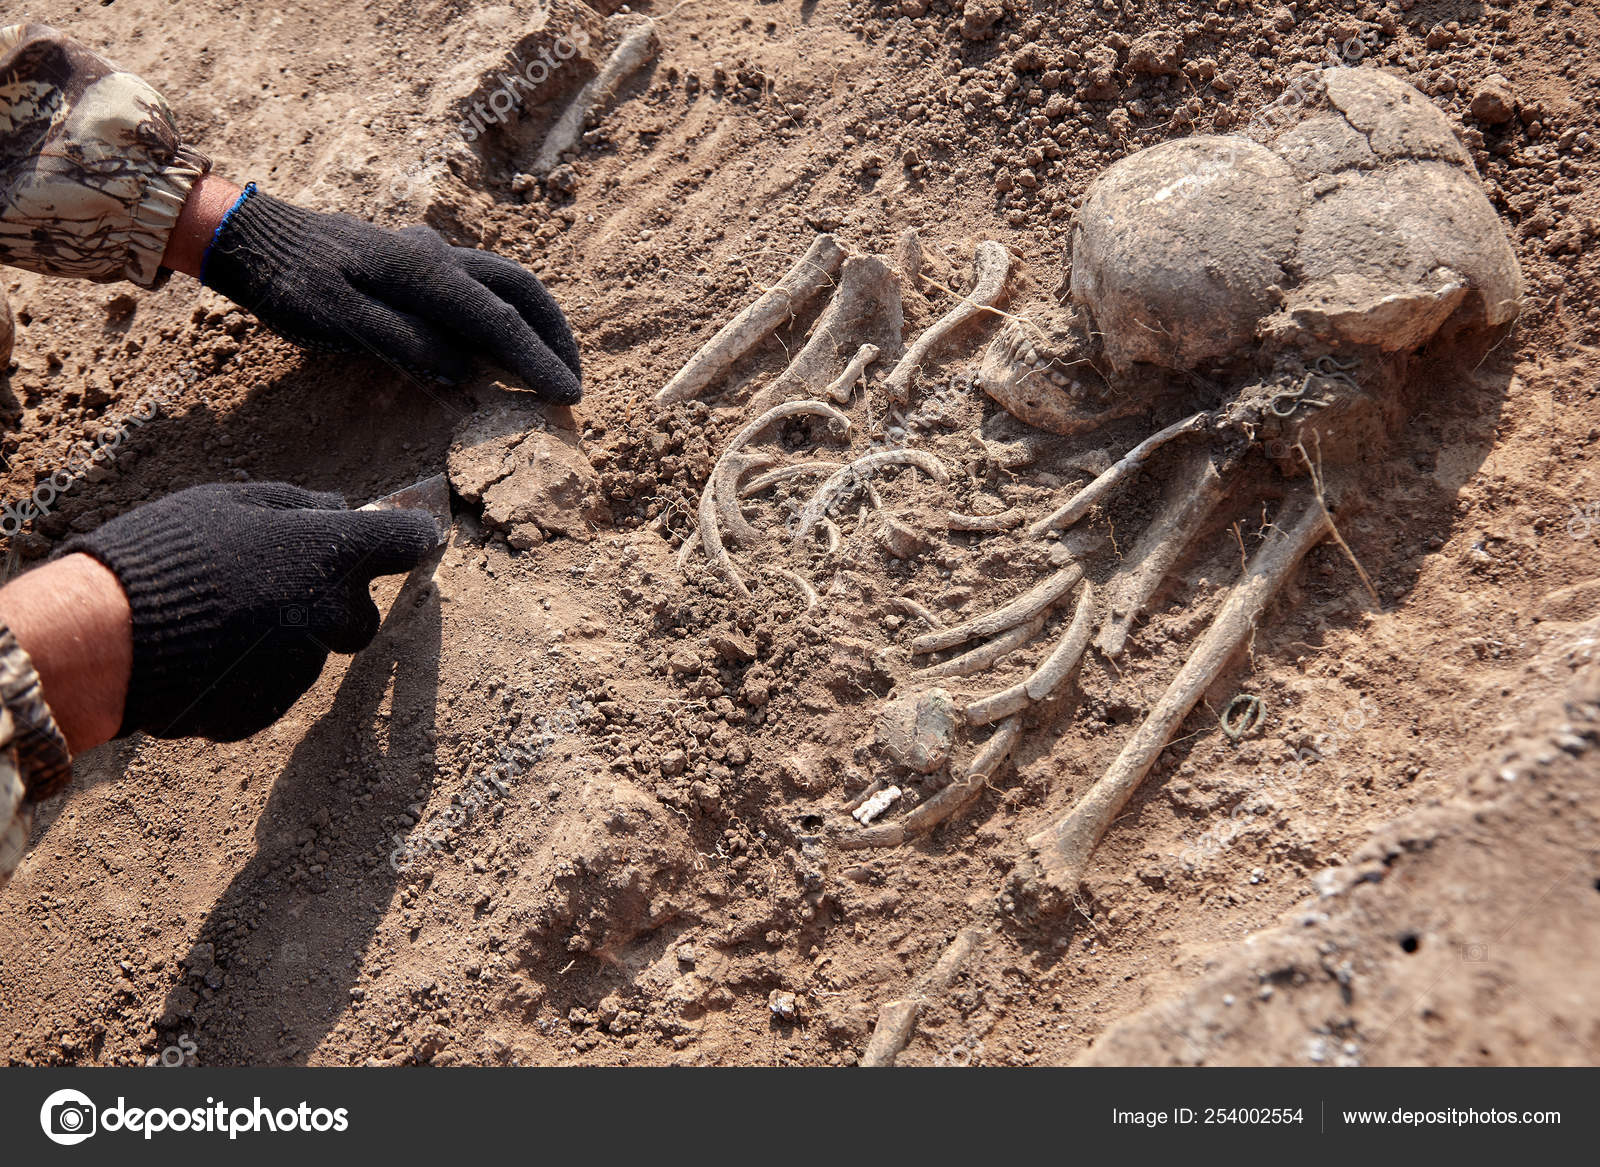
[1078, 505]
[855, 473]
[1024, 607]
[984, 655]
[1193, 494]
[1042, 683]
[924, 817]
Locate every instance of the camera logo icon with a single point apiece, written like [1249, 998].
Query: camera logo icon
[293, 616]
[1474, 953]
[68, 1117]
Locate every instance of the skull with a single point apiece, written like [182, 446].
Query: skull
[1361, 228]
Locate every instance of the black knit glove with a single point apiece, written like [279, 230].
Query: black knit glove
[336, 284]
[239, 592]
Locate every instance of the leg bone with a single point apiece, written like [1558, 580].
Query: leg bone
[1193, 494]
[897, 1019]
[1058, 855]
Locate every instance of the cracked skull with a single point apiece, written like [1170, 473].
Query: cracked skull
[1362, 228]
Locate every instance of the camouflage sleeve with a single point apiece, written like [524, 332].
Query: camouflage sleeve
[34, 763]
[92, 174]
[16, 812]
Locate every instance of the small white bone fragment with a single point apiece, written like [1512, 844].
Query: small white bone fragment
[855, 474]
[811, 273]
[632, 53]
[992, 263]
[922, 819]
[841, 389]
[875, 805]
[1078, 505]
[1020, 610]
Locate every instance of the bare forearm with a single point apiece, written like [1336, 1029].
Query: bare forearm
[72, 618]
[208, 201]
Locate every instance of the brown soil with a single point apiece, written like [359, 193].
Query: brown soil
[1424, 888]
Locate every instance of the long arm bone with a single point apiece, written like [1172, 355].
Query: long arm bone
[898, 1018]
[1058, 855]
[1041, 684]
[810, 274]
[1078, 505]
[856, 473]
[1020, 610]
[1194, 493]
[992, 263]
[632, 52]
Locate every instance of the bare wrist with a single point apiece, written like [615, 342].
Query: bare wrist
[208, 201]
[73, 620]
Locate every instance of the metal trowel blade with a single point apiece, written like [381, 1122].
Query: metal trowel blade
[431, 495]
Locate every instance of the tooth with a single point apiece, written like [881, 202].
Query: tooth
[1032, 354]
[1057, 378]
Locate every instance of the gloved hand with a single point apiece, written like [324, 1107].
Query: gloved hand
[336, 284]
[238, 592]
